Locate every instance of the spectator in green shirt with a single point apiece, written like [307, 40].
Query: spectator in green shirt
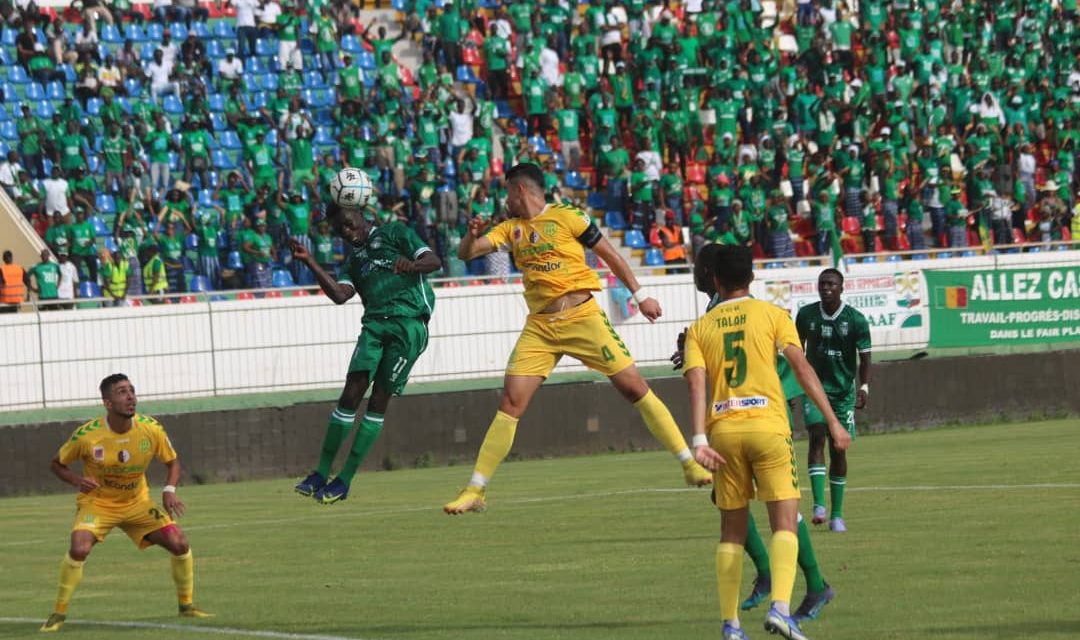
[497, 55]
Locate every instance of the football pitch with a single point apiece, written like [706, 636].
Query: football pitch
[955, 533]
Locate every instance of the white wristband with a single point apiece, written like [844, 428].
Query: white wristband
[169, 488]
[865, 388]
[700, 440]
[640, 295]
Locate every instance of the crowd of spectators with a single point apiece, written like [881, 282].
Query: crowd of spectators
[201, 138]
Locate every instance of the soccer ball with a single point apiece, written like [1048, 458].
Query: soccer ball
[351, 188]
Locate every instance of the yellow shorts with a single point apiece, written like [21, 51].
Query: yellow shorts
[582, 332]
[766, 458]
[138, 520]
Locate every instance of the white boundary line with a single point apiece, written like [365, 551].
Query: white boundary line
[338, 513]
[206, 630]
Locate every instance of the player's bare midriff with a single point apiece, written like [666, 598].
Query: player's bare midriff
[567, 301]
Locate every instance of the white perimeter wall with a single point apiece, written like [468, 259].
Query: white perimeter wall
[56, 358]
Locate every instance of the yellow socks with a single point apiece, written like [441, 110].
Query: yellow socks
[728, 578]
[662, 425]
[783, 563]
[70, 576]
[495, 448]
[183, 573]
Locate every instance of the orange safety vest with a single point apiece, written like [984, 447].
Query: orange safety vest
[13, 290]
[677, 251]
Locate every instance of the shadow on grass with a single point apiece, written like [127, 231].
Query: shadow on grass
[1039, 628]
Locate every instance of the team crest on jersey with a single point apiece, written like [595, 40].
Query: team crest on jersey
[144, 446]
[99, 453]
[843, 328]
[550, 228]
[375, 243]
[124, 455]
[826, 331]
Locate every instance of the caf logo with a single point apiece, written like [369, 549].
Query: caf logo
[124, 455]
[534, 237]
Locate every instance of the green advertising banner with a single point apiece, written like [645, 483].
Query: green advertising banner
[1003, 306]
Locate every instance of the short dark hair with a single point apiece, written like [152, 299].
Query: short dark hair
[705, 266]
[733, 266]
[832, 272]
[526, 171]
[111, 381]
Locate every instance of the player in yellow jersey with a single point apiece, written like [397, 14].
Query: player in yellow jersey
[742, 433]
[548, 243]
[115, 451]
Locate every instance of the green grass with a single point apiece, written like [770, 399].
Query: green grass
[592, 548]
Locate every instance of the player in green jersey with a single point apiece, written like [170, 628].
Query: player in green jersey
[386, 266]
[818, 592]
[833, 333]
[46, 275]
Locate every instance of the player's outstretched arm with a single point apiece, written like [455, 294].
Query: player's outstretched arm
[337, 291]
[811, 384]
[475, 243]
[649, 307]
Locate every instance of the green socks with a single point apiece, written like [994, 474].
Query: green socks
[817, 483]
[756, 548]
[370, 428]
[837, 484]
[815, 582]
[341, 422]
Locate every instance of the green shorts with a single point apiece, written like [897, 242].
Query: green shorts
[388, 348]
[843, 407]
[300, 176]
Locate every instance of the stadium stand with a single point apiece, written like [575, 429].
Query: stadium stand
[803, 129]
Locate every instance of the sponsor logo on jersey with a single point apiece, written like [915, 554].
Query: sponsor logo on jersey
[120, 486]
[826, 331]
[124, 455]
[736, 404]
[99, 453]
[844, 328]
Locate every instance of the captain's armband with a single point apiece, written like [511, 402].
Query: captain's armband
[590, 236]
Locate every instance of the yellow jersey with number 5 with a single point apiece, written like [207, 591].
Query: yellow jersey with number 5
[548, 252]
[737, 344]
[118, 461]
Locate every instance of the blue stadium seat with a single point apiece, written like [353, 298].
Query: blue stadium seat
[4, 115]
[920, 256]
[109, 243]
[265, 48]
[366, 61]
[189, 266]
[634, 239]
[109, 34]
[314, 80]
[34, 91]
[539, 145]
[178, 31]
[230, 141]
[191, 242]
[135, 33]
[654, 257]
[218, 122]
[216, 102]
[233, 261]
[222, 161]
[255, 65]
[69, 73]
[8, 36]
[56, 90]
[595, 200]
[615, 220]
[89, 289]
[5, 57]
[969, 254]
[351, 44]
[224, 30]
[100, 228]
[200, 284]
[93, 164]
[272, 137]
[17, 75]
[268, 82]
[502, 109]
[154, 31]
[465, 73]
[93, 106]
[282, 278]
[324, 136]
[894, 258]
[172, 105]
[9, 92]
[147, 54]
[174, 161]
[575, 181]
[8, 130]
[201, 30]
[214, 49]
[105, 204]
[134, 87]
[945, 255]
